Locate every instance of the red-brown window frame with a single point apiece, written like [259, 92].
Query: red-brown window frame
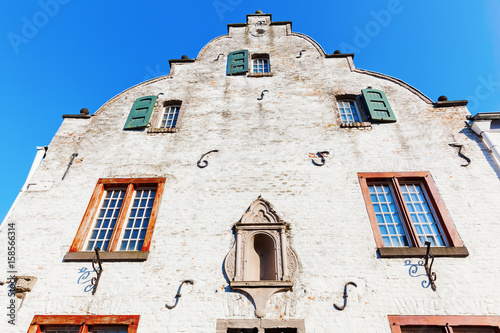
[435, 201]
[94, 206]
[83, 321]
[398, 322]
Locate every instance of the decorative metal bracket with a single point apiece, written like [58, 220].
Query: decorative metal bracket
[428, 268]
[159, 95]
[170, 307]
[321, 154]
[98, 270]
[69, 165]
[460, 153]
[341, 308]
[262, 95]
[220, 54]
[203, 163]
[300, 53]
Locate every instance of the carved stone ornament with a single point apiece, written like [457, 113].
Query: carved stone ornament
[261, 263]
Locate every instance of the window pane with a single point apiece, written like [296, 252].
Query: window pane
[391, 229]
[106, 220]
[348, 112]
[260, 65]
[170, 114]
[424, 221]
[137, 225]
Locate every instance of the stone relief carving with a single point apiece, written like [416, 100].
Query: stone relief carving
[261, 263]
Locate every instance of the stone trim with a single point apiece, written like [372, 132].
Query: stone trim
[261, 324]
[107, 256]
[419, 252]
[442, 104]
[364, 124]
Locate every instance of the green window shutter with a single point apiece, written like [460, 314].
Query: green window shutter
[379, 107]
[140, 113]
[237, 62]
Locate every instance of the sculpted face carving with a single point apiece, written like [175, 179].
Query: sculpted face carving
[261, 263]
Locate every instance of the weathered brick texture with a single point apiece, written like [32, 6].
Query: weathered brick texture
[264, 149]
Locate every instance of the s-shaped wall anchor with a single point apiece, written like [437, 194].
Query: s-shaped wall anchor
[322, 155]
[262, 95]
[460, 153]
[220, 54]
[300, 53]
[341, 308]
[203, 163]
[170, 307]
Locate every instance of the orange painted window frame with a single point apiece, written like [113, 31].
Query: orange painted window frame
[394, 178]
[84, 322]
[94, 206]
[399, 322]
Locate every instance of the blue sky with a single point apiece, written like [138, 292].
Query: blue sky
[59, 56]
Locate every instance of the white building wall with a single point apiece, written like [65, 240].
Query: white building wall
[264, 149]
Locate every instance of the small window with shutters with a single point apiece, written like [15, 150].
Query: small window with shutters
[378, 106]
[140, 114]
[237, 62]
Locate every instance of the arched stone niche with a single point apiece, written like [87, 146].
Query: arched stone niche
[261, 263]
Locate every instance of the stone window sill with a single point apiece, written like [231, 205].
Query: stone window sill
[260, 284]
[260, 74]
[419, 252]
[364, 124]
[162, 130]
[107, 256]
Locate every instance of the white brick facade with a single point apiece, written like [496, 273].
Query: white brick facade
[265, 149]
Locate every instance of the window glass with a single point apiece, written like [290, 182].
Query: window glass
[106, 220]
[348, 112]
[261, 65]
[388, 217]
[421, 215]
[138, 220]
[170, 115]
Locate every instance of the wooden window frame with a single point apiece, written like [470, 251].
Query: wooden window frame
[83, 321]
[76, 252]
[455, 247]
[399, 322]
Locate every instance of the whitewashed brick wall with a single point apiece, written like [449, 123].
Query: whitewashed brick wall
[264, 150]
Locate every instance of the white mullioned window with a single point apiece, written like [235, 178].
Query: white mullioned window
[138, 220]
[169, 117]
[349, 111]
[261, 65]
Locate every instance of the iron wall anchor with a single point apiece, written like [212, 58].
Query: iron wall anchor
[220, 54]
[428, 268]
[178, 295]
[203, 163]
[321, 154]
[69, 165]
[300, 54]
[341, 308]
[460, 153]
[262, 95]
[98, 270]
